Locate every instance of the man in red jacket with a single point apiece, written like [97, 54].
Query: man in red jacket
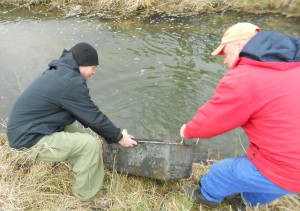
[260, 93]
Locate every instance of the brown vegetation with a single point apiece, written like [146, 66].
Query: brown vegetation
[181, 7]
[28, 185]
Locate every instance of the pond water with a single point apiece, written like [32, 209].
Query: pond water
[154, 71]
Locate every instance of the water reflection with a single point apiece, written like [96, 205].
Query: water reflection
[154, 72]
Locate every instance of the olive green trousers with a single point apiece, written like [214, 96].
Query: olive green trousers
[84, 154]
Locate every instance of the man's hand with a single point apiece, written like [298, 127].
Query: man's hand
[127, 140]
[181, 130]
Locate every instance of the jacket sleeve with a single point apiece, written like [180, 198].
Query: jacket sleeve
[225, 111]
[76, 100]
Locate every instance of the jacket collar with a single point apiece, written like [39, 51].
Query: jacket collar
[271, 46]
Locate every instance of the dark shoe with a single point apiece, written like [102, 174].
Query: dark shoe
[237, 202]
[199, 198]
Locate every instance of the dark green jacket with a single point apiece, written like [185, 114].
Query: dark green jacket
[55, 99]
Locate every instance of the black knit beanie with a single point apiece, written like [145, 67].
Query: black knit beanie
[85, 54]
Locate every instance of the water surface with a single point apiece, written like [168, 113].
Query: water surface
[154, 72]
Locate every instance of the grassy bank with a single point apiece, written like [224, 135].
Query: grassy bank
[131, 7]
[28, 185]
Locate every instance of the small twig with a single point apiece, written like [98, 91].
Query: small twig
[242, 143]
[18, 81]
[3, 124]
[114, 171]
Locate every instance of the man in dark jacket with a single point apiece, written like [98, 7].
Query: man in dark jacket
[41, 118]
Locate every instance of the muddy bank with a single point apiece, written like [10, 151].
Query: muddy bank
[123, 8]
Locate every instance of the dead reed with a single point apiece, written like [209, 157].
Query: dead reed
[132, 7]
[28, 185]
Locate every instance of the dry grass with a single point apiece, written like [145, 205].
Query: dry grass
[28, 185]
[131, 7]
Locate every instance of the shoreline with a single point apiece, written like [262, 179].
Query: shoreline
[146, 8]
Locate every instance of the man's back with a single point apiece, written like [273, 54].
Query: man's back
[273, 128]
[39, 110]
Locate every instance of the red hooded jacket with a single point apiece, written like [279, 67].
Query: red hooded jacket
[261, 94]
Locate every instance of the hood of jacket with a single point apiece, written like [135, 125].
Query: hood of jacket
[66, 60]
[271, 49]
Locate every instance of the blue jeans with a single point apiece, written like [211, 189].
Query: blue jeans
[239, 175]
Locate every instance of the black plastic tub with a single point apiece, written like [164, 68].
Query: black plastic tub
[164, 160]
